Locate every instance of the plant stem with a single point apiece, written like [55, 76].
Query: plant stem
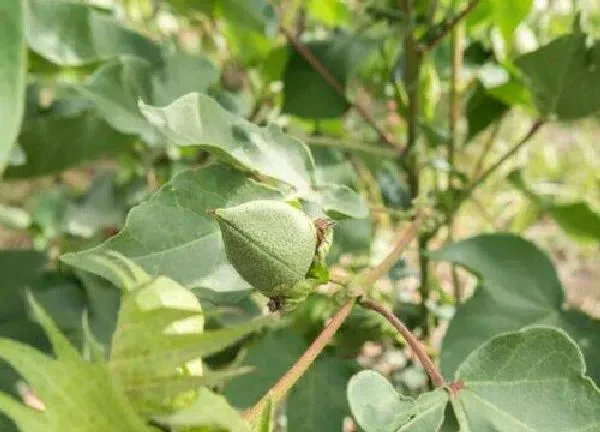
[337, 86]
[413, 60]
[456, 44]
[287, 381]
[434, 374]
[487, 146]
[448, 27]
[537, 124]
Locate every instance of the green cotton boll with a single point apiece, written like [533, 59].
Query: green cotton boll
[270, 244]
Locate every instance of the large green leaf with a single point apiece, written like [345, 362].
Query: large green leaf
[197, 120]
[13, 68]
[529, 381]
[52, 144]
[306, 93]
[159, 339]
[77, 395]
[171, 234]
[519, 287]
[75, 34]
[377, 407]
[563, 76]
[314, 403]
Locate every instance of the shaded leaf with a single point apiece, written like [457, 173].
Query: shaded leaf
[115, 88]
[482, 111]
[13, 69]
[519, 287]
[306, 93]
[52, 144]
[75, 34]
[313, 404]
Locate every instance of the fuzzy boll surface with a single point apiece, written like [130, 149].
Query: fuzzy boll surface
[270, 243]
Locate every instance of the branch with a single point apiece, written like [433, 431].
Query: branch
[337, 86]
[436, 377]
[448, 27]
[403, 239]
[287, 381]
[483, 177]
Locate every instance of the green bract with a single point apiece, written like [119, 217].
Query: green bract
[270, 243]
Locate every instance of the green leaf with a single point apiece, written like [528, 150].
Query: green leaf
[519, 287]
[506, 14]
[578, 219]
[563, 77]
[115, 88]
[182, 74]
[482, 111]
[313, 404]
[76, 34]
[197, 120]
[377, 407]
[257, 15]
[528, 381]
[63, 383]
[171, 234]
[306, 93]
[160, 339]
[208, 409]
[53, 144]
[13, 69]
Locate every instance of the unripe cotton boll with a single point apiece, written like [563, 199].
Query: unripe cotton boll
[270, 243]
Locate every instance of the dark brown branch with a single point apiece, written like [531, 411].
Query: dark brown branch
[448, 27]
[337, 86]
[436, 377]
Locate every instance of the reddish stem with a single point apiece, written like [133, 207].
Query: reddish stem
[436, 377]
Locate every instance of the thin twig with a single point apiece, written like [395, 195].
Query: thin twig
[456, 43]
[487, 146]
[483, 177]
[403, 239]
[448, 27]
[337, 86]
[436, 377]
[287, 381]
